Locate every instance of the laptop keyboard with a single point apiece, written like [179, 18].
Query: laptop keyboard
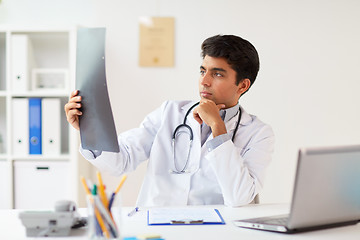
[276, 221]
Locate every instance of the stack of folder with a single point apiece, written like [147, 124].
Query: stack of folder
[36, 126]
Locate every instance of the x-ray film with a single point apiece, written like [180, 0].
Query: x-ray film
[97, 128]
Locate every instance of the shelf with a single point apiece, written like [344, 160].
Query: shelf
[39, 29]
[31, 60]
[64, 157]
[44, 93]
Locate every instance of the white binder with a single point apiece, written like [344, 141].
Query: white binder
[51, 132]
[22, 62]
[20, 126]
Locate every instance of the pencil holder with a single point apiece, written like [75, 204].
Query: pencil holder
[102, 223]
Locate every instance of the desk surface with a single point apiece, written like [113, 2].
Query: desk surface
[11, 227]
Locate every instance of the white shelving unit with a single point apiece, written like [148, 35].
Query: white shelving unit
[52, 48]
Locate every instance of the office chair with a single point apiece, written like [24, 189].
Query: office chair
[256, 200]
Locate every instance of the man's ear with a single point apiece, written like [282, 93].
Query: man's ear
[244, 86]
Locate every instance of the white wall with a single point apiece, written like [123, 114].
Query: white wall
[306, 89]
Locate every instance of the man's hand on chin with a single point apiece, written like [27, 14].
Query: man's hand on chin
[209, 112]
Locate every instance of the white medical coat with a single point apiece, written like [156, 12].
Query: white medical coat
[231, 174]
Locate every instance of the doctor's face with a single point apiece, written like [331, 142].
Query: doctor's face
[217, 82]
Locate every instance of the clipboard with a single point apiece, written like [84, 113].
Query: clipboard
[184, 216]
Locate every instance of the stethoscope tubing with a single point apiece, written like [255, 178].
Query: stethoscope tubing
[191, 135]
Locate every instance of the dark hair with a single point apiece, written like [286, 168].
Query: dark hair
[240, 54]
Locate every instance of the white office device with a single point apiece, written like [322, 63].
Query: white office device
[52, 223]
[326, 192]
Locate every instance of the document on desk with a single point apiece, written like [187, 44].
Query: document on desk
[173, 216]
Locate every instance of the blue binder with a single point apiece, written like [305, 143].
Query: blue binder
[35, 126]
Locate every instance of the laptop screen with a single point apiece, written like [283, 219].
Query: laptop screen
[327, 186]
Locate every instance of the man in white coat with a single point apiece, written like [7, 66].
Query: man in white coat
[218, 155]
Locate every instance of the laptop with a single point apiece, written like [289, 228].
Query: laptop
[326, 192]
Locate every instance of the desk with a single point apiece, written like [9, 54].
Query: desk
[11, 227]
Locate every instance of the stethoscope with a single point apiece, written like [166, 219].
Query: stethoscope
[178, 131]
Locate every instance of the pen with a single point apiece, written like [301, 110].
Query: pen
[83, 181]
[98, 228]
[102, 194]
[116, 191]
[135, 210]
[87, 190]
[106, 216]
[97, 214]
[120, 184]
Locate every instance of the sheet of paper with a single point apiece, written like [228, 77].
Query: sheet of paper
[167, 215]
[97, 127]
